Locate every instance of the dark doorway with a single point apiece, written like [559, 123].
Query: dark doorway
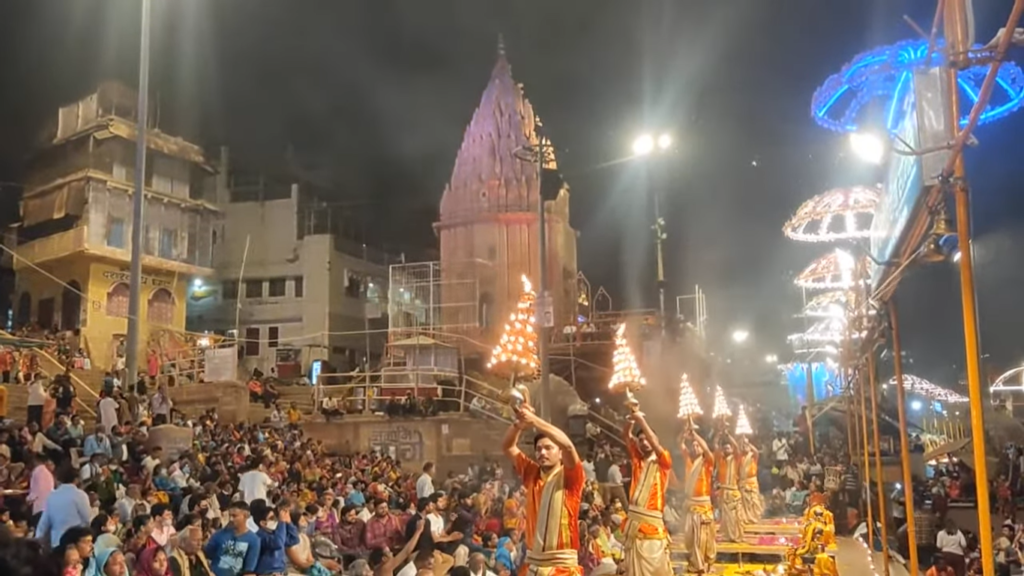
[44, 316]
[24, 316]
[71, 306]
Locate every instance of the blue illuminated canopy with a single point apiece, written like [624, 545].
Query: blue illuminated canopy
[870, 88]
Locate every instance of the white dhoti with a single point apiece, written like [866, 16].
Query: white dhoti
[731, 508]
[648, 557]
[699, 535]
[753, 503]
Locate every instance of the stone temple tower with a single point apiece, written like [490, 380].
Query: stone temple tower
[488, 223]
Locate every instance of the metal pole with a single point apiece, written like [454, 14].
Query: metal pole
[138, 201]
[901, 403]
[866, 481]
[956, 33]
[658, 241]
[810, 405]
[543, 333]
[878, 464]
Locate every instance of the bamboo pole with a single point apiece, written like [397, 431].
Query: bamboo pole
[878, 464]
[901, 401]
[866, 483]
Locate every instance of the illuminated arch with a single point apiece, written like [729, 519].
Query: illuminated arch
[117, 300]
[880, 79]
[160, 307]
[839, 214]
[1005, 382]
[835, 270]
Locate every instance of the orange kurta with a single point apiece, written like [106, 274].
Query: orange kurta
[656, 498]
[702, 488]
[568, 537]
[748, 467]
[728, 470]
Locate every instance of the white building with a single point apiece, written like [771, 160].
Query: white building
[291, 285]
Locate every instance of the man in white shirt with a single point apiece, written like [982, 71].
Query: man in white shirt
[588, 468]
[108, 413]
[151, 460]
[614, 487]
[36, 399]
[425, 483]
[780, 448]
[255, 483]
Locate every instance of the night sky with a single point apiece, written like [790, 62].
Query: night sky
[373, 98]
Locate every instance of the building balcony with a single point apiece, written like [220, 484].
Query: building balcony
[76, 242]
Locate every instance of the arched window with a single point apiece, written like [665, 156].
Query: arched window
[160, 310]
[24, 310]
[117, 300]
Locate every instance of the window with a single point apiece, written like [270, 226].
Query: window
[168, 243]
[160, 308]
[115, 232]
[353, 285]
[272, 336]
[275, 287]
[147, 241]
[254, 288]
[252, 341]
[117, 300]
[229, 290]
[298, 287]
[120, 172]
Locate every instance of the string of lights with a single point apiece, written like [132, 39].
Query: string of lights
[743, 427]
[517, 348]
[626, 372]
[721, 409]
[922, 387]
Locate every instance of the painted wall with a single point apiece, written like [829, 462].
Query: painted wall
[452, 442]
[97, 279]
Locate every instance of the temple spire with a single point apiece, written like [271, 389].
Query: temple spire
[501, 45]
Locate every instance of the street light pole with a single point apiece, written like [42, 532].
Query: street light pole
[138, 203]
[659, 237]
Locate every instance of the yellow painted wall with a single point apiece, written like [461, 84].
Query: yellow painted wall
[102, 329]
[97, 277]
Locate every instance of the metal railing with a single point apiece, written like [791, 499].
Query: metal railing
[491, 399]
[56, 367]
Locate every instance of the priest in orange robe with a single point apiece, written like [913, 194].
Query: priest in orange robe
[554, 481]
[730, 502]
[753, 501]
[699, 523]
[646, 540]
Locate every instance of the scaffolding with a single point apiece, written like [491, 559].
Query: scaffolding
[426, 299]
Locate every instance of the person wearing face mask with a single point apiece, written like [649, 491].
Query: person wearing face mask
[273, 537]
[163, 519]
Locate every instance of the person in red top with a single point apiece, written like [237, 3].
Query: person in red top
[554, 489]
[646, 540]
[699, 522]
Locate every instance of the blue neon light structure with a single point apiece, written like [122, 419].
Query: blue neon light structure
[826, 380]
[880, 79]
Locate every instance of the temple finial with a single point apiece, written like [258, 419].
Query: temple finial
[501, 44]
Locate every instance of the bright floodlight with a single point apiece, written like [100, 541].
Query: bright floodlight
[665, 141]
[740, 336]
[956, 256]
[916, 405]
[771, 359]
[197, 283]
[643, 145]
[868, 147]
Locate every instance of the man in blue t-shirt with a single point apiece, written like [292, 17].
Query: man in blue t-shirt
[273, 535]
[234, 550]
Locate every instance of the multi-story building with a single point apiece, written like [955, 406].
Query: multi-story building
[74, 235]
[290, 283]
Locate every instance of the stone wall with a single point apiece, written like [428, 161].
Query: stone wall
[231, 399]
[451, 442]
